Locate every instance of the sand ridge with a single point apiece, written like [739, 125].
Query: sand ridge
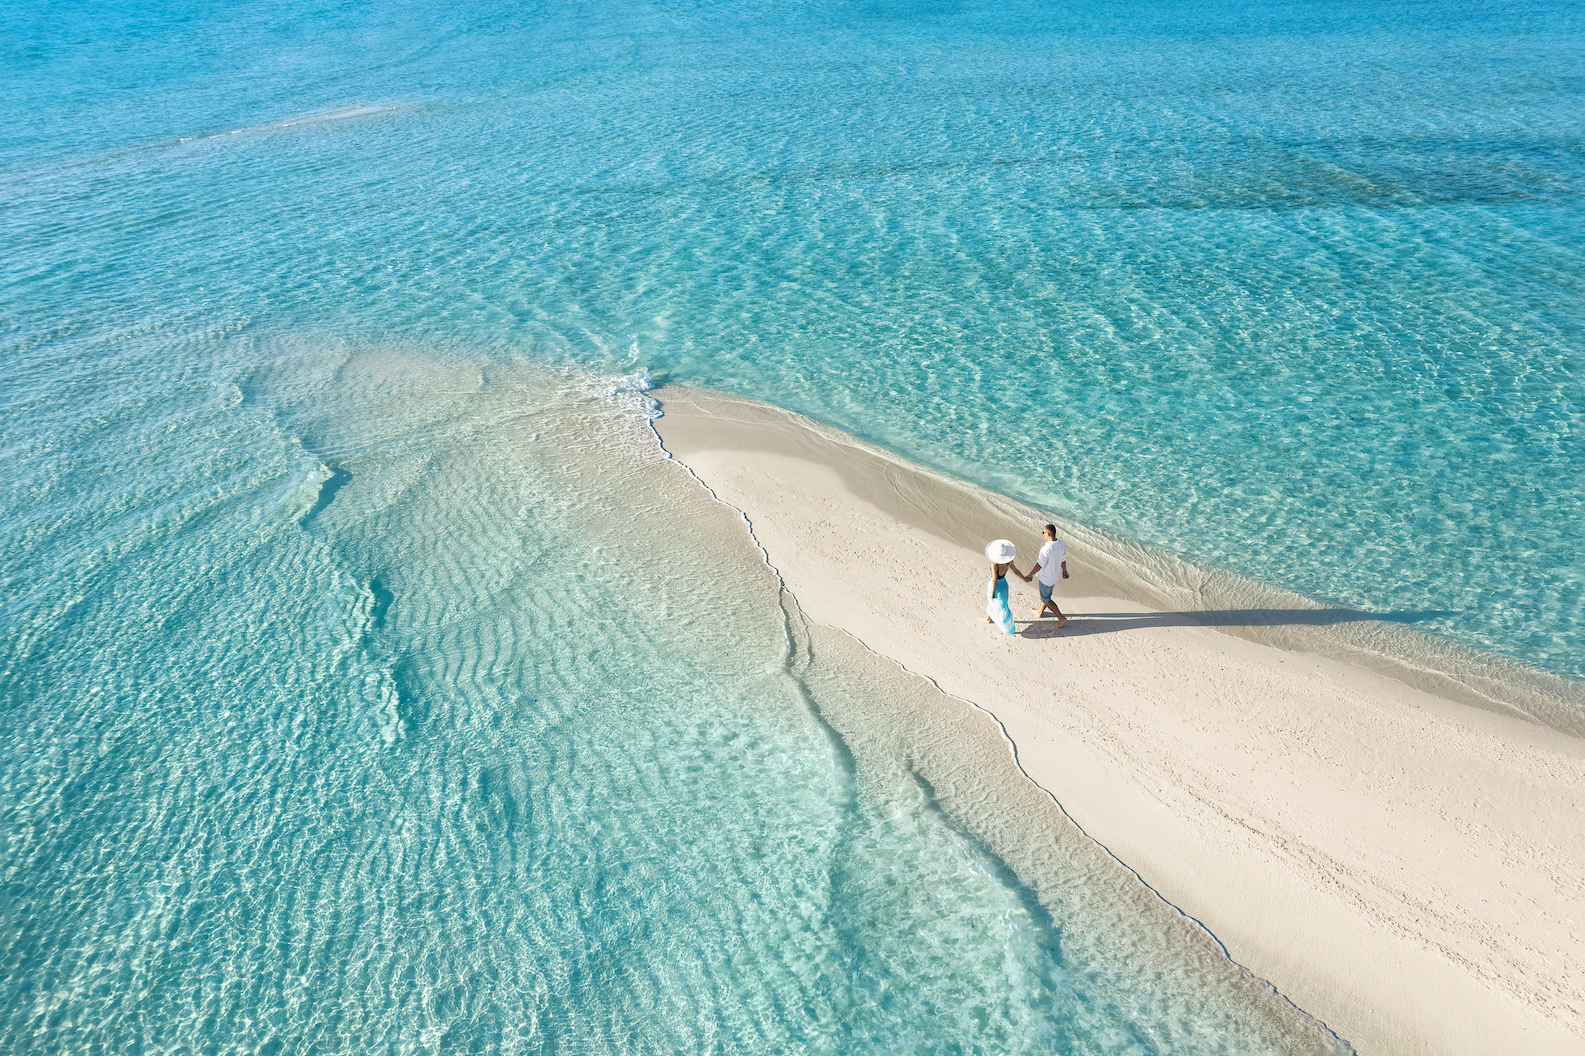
[1402, 865]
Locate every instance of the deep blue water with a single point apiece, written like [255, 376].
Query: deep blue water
[319, 732]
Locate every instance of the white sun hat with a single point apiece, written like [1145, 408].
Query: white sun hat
[1001, 551]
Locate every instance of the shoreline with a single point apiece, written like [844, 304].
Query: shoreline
[1389, 858]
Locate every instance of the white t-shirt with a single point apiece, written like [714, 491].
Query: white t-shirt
[1050, 560]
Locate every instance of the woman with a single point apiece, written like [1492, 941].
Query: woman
[1001, 553]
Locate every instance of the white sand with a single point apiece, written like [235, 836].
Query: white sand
[1406, 867]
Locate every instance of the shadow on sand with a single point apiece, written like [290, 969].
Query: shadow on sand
[1081, 624]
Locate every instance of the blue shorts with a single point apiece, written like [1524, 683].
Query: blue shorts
[1045, 590]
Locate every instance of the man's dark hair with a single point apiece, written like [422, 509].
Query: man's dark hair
[1051, 528]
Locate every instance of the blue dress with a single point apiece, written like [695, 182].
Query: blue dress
[996, 608]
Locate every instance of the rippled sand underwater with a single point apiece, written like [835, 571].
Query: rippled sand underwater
[1293, 292]
[369, 683]
[429, 707]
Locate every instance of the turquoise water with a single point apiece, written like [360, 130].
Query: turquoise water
[1298, 293]
[370, 683]
[400, 702]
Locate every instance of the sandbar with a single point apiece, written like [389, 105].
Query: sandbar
[1399, 851]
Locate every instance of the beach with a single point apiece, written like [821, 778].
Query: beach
[492, 554]
[1403, 865]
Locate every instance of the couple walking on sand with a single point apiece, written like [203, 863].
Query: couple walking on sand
[1051, 564]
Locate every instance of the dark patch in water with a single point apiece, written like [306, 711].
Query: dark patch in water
[411, 707]
[383, 598]
[327, 492]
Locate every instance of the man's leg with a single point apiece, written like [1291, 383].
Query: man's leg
[1047, 603]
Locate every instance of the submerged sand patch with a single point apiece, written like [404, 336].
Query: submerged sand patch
[1401, 860]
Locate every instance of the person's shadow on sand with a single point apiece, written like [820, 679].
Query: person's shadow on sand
[1081, 624]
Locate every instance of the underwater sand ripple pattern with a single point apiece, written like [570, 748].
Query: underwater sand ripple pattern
[1298, 295]
[428, 726]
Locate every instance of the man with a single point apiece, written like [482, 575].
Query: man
[1053, 561]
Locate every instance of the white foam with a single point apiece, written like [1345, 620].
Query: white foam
[629, 395]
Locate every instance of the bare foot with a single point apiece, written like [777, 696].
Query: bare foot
[1039, 613]
[987, 619]
[1061, 619]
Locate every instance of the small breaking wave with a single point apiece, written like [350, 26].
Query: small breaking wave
[628, 395]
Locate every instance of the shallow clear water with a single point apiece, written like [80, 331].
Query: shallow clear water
[396, 703]
[1296, 292]
[342, 708]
